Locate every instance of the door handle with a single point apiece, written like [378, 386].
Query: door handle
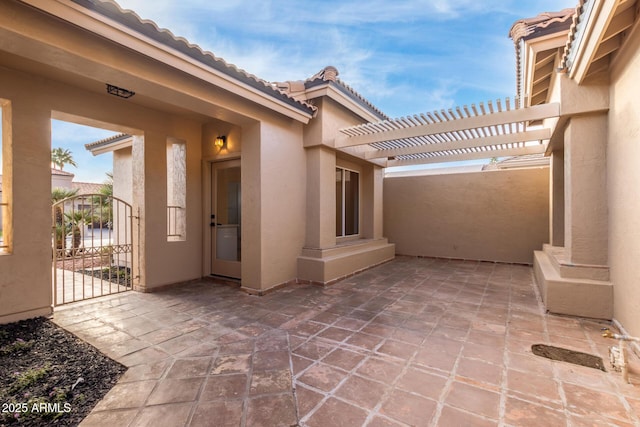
[213, 224]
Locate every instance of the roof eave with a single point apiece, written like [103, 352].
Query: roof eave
[341, 95]
[101, 18]
[110, 144]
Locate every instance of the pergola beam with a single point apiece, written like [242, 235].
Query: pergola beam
[537, 112]
[537, 149]
[533, 135]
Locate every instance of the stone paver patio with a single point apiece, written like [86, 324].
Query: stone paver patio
[412, 342]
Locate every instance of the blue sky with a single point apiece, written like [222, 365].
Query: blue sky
[405, 56]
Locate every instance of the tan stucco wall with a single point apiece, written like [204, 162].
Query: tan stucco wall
[623, 178]
[494, 215]
[585, 192]
[25, 281]
[175, 261]
[283, 173]
[122, 175]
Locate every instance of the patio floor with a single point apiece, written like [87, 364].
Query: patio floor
[411, 342]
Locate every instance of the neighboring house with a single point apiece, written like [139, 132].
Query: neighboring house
[61, 179]
[273, 183]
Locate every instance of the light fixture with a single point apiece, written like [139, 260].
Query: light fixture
[120, 92]
[221, 142]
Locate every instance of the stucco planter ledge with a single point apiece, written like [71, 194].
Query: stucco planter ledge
[325, 266]
[575, 296]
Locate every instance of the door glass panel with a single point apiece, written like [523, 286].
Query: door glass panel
[351, 199]
[339, 210]
[228, 209]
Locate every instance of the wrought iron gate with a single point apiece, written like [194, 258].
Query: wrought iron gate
[92, 239]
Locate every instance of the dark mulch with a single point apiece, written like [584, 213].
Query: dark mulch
[566, 355]
[49, 377]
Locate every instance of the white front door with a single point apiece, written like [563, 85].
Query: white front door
[226, 210]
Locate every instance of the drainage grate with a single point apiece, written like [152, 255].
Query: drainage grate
[565, 355]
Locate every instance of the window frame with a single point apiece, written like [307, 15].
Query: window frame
[343, 211]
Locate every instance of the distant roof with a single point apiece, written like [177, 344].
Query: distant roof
[102, 145]
[86, 187]
[516, 162]
[148, 28]
[60, 172]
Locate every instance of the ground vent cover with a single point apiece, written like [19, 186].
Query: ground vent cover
[566, 355]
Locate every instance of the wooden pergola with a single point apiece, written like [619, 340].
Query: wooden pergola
[463, 133]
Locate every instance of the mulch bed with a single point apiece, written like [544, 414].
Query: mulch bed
[50, 377]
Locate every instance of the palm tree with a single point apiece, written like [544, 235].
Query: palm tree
[103, 204]
[61, 157]
[77, 220]
[57, 195]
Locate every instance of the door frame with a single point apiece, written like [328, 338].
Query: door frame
[229, 269]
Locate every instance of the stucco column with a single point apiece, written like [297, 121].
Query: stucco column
[251, 196]
[25, 281]
[321, 199]
[138, 194]
[586, 223]
[372, 207]
[556, 184]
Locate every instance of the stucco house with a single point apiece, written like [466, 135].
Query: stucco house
[271, 183]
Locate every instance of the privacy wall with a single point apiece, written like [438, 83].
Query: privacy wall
[498, 215]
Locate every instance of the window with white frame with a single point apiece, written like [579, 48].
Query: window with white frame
[347, 202]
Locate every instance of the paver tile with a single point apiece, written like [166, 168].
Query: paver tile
[411, 342]
[526, 414]
[172, 390]
[455, 417]
[263, 382]
[322, 377]
[272, 411]
[409, 408]
[169, 415]
[232, 386]
[423, 383]
[380, 369]
[222, 413]
[362, 391]
[474, 399]
[334, 412]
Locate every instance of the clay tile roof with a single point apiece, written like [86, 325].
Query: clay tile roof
[544, 23]
[106, 141]
[86, 187]
[329, 75]
[538, 26]
[148, 28]
[572, 33]
[60, 172]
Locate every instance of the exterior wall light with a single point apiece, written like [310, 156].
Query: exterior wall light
[221, 142]
[119, 92]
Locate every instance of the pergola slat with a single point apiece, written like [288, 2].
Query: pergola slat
[534, 135]
[537, 112]
[538, 149]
